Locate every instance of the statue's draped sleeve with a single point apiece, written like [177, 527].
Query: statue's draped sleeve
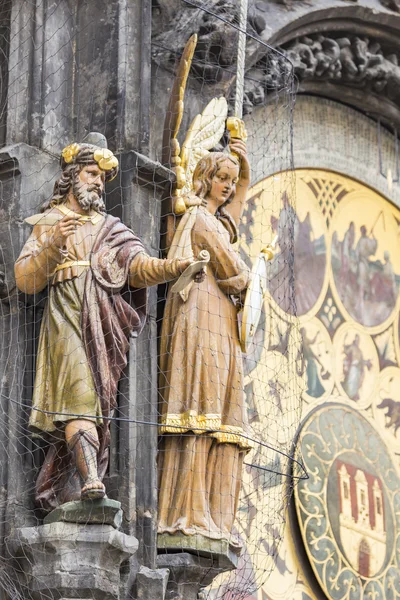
[39, 258]
[117, 257]
[230, 272]
[146, 270]
[37, 261]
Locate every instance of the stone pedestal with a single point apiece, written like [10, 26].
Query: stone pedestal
[74, 561]
[189, 574]
[201, 559]
[95, 512]
[151, 584]
[200, 546]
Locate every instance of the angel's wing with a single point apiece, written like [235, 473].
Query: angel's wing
[170, 145]
[173, 117]
[204, 133]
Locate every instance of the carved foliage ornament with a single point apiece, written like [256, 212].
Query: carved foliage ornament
[217, 40]
[343, 59]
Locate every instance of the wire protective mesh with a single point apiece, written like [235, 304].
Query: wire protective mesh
[197, 430]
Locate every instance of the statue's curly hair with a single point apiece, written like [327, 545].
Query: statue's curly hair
[62, 186]
[206, 169]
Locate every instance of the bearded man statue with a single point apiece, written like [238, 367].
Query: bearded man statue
[86, 258]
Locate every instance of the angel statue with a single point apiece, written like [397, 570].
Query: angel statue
[85, 258]
[202, 412]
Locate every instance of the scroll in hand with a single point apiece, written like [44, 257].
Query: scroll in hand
[189, 274]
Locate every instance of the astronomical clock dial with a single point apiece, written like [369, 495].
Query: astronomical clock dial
[348, 510]
[330, 329]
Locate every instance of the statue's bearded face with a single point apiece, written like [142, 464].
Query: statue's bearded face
[88, 188]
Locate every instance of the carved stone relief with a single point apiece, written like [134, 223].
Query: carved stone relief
[341, 64]
[217, 39]
[356, 62]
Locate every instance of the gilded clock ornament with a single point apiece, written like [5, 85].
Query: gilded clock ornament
[350, 335]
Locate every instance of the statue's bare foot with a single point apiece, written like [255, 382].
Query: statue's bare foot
[93, 491]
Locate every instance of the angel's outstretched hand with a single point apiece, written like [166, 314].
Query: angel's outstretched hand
[200, 276]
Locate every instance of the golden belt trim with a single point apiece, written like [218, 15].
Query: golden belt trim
[201, 424]
[72, 263]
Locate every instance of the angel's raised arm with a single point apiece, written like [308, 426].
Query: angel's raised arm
[236, 206]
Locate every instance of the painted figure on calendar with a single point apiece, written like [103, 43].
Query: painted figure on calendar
[297, 237]
[354, 368]
[315, 370]
[364, 274]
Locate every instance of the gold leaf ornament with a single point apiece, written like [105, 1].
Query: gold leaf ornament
[269, 251]
[105, 159]
[70, 152]
[236, 128]
[179, 205]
